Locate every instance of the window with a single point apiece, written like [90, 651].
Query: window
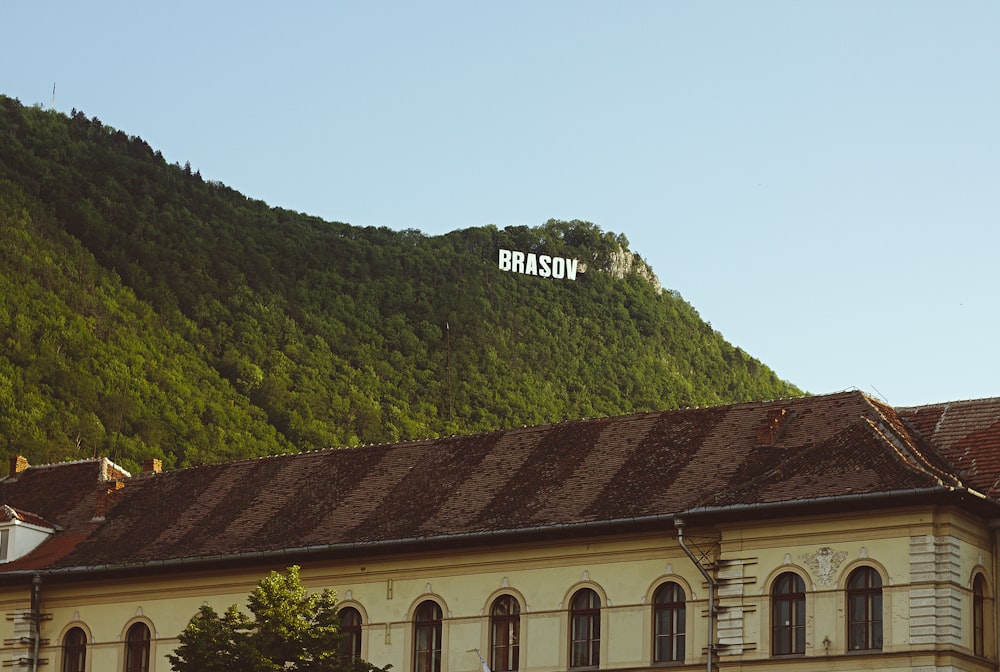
[137, 648]
[788, 615]
[505, 634]
[427, 638]
[585, 629]
[979, 615]
[864, 610]
[350, 629]
[75, 651]
[668, 624]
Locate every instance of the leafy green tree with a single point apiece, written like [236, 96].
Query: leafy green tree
[145, 312]
[291, 629]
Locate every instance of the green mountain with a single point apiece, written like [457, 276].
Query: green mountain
[145, 312]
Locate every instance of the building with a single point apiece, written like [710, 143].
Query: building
[823, 533]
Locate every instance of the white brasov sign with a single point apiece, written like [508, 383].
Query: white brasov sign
[541, 265]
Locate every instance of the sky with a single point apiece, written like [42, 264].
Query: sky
[820, 180]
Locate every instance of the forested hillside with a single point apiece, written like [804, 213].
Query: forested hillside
[145, 312]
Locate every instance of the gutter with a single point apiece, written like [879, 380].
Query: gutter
[733, 510]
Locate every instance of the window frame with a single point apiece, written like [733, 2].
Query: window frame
[673, 607]
[74, 654]
[788, 597]
[865, 610]
[979, 615]
[585, 620]
[427, 626]
[505, 650]
[350, 643]
[137, 649]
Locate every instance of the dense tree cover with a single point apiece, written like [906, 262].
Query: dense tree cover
[290, 629]
[147, 312]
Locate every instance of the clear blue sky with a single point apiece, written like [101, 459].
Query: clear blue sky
[821, 180]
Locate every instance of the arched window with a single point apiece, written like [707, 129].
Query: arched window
[979, 615]
[864, 609]
[137, 648]
[427, 637]
[788, 615]
[75, 651]
[668, 623]
[585, 629]
[505, 634]
[350, 630]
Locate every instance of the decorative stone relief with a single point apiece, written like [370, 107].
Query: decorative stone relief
[824, 563]
[505, 583]
[585, 576]
[670, 567]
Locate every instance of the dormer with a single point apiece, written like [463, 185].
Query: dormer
[21, 532]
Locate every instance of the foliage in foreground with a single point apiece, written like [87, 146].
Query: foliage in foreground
[288, 629]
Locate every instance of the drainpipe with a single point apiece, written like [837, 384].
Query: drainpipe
[36, 615]
[679, 524]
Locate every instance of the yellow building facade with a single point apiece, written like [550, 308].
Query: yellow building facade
[828, 533]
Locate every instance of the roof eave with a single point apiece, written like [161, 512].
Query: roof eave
[702, 515]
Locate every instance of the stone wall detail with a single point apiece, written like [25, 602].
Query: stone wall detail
[935, 596]
[824, 564]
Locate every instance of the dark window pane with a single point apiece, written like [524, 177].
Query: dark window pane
[75, 651]
[505, 629]
[864, 609]
[427, 638]
[585, 629]
[137, 648]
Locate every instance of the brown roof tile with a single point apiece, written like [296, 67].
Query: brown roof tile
[10, 514]
[967, 434]
[642, 466]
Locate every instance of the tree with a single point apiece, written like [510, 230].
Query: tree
[291, 629]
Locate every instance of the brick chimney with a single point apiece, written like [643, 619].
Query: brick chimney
[152, 466]
[769, 431]
[18, 463]
[107, 497]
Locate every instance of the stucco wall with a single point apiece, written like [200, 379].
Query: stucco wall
[920, 555]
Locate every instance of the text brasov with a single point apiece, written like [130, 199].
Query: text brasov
[541, 265]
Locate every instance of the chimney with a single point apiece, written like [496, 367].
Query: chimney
[18, 463]
[152, 466]
[107, 497]
[769, 431]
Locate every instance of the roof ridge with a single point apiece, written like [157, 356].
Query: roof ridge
[903, 443]
[952, 402]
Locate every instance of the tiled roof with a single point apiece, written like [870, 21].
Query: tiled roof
[9, 514]
[647, 466]
[62, 494]
[967, 434]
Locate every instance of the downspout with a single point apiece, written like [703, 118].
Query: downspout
[679, 525]
[36, 616]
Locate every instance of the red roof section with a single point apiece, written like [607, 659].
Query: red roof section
[967, 434]
[9, 514]
[551, 477]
